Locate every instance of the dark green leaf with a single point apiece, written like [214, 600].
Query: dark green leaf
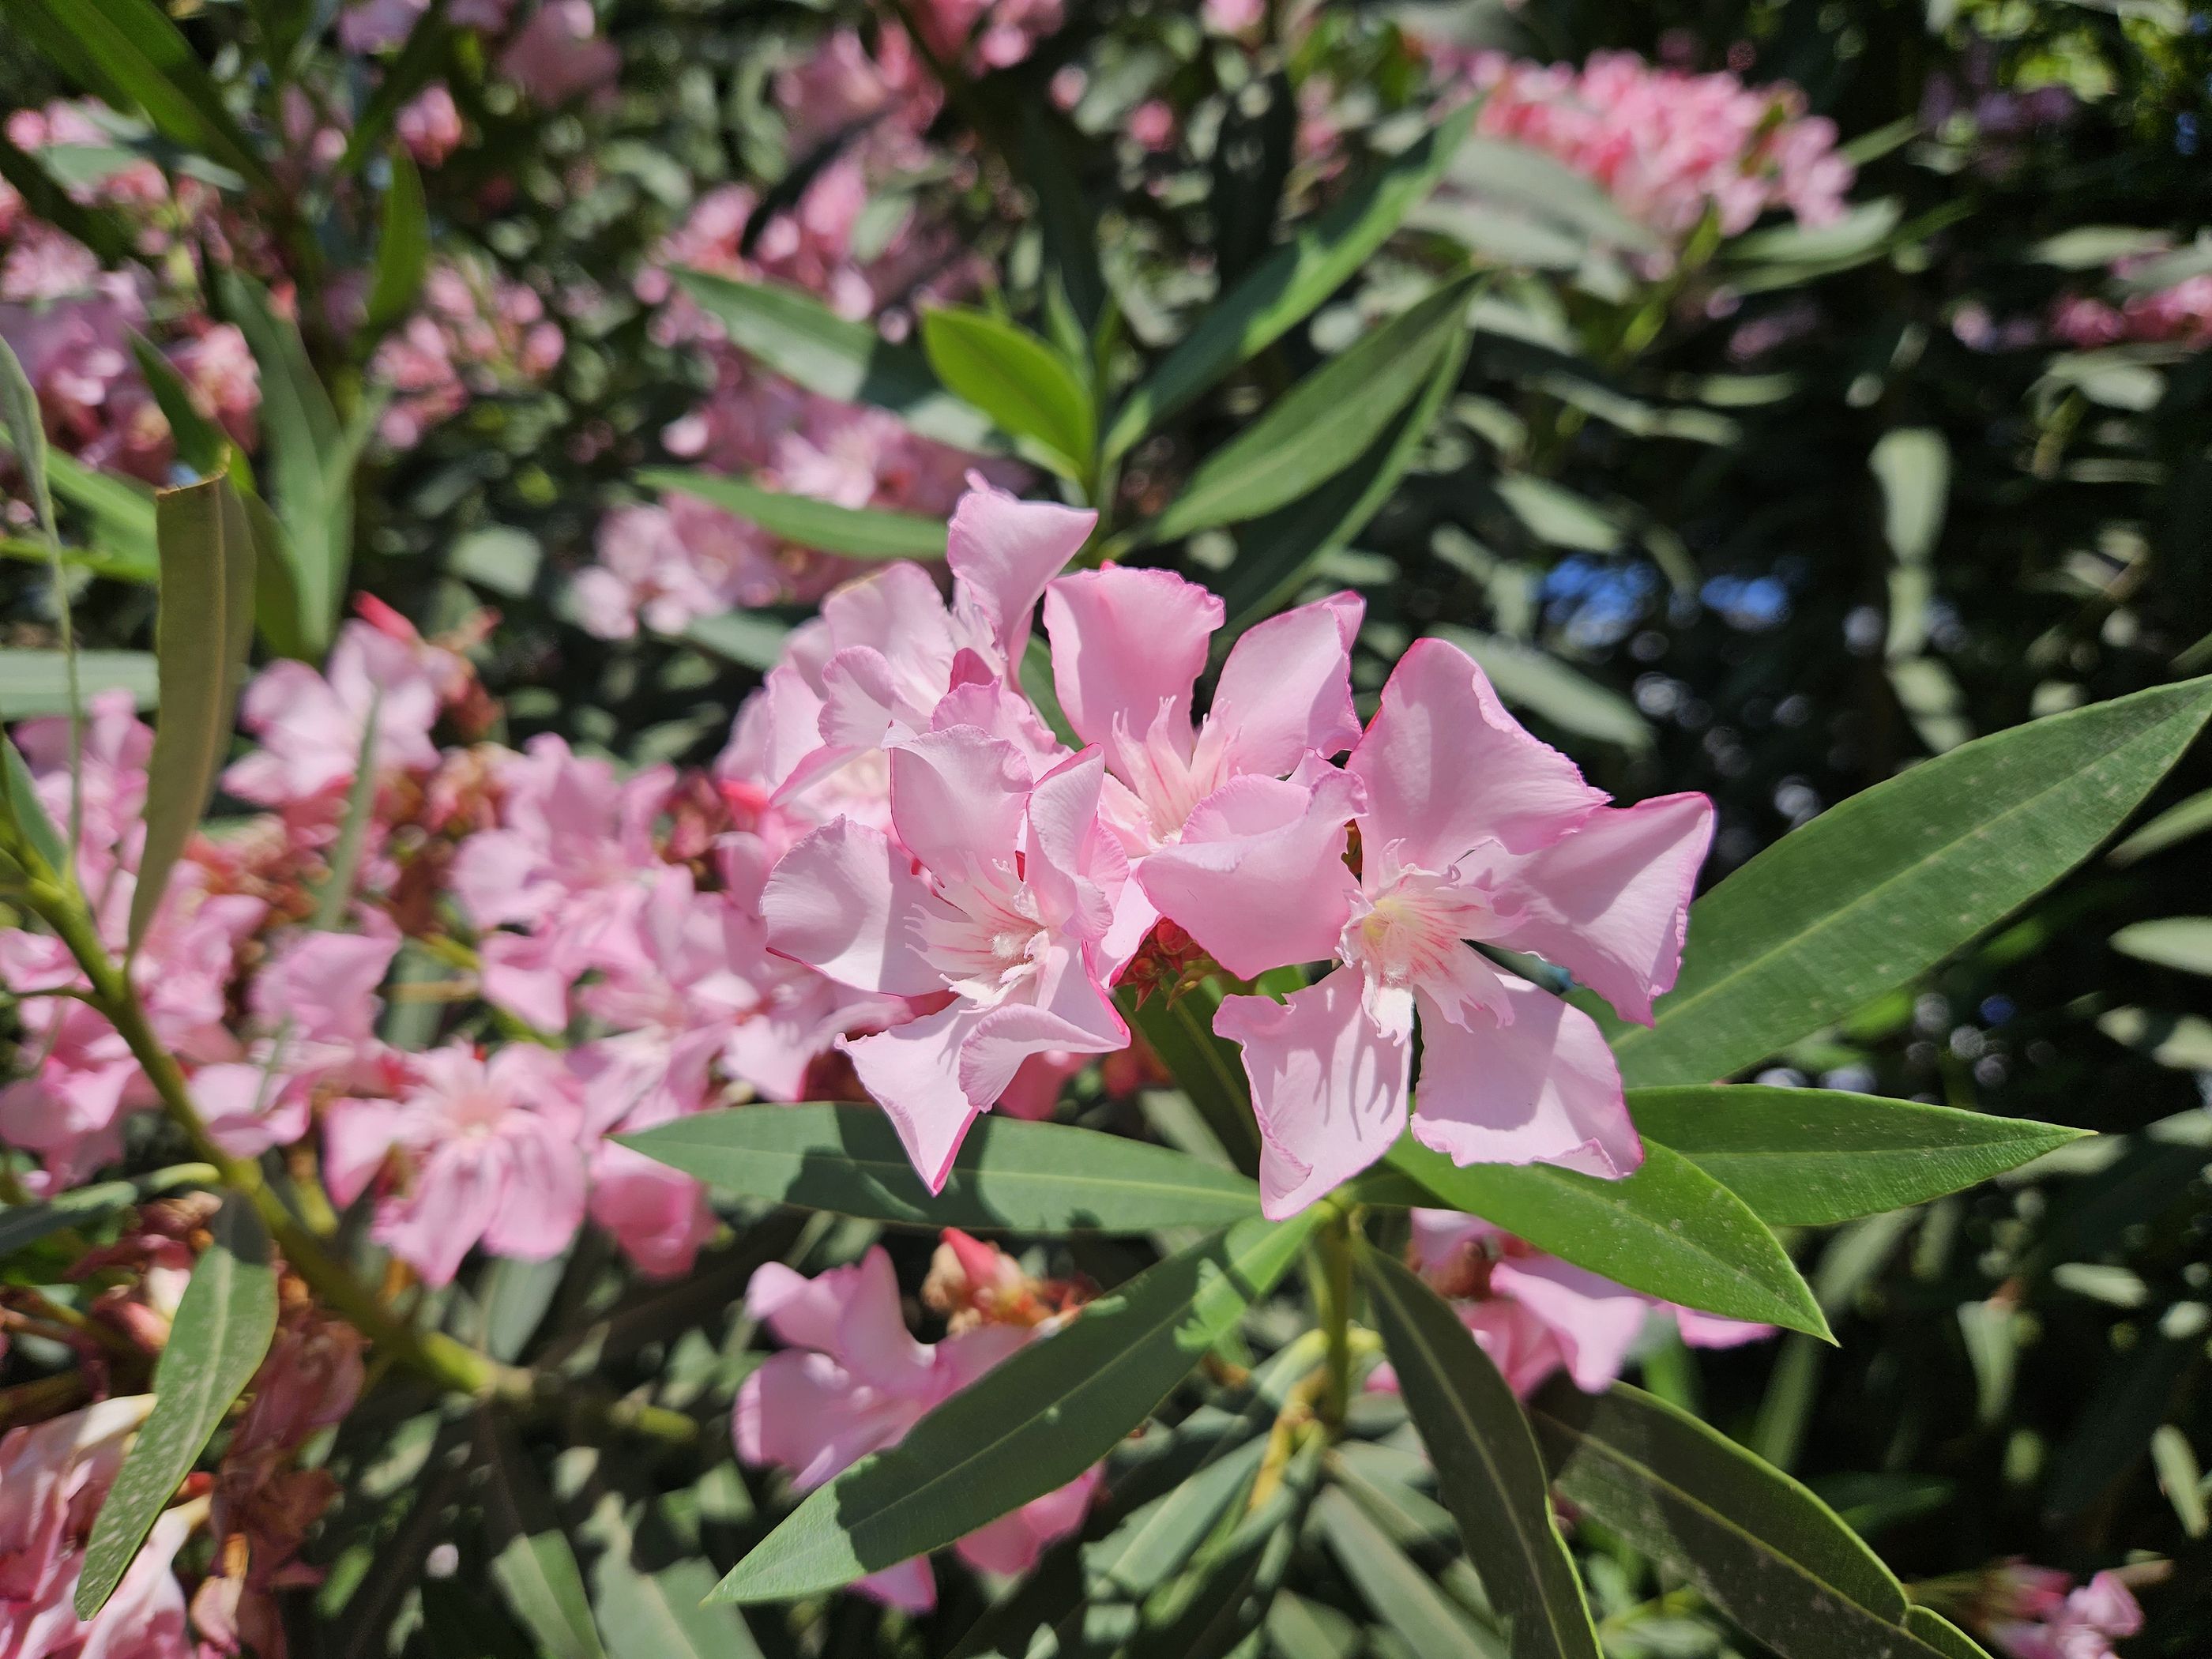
[1289, 283]
[201, 444]
[25, 1224]
[200, 638]
[403, 245]
[658, 1612]
[34, 683]
[802, 340]
[311, 458]
[217, 1342]
[1761, 1548]
[1945, 1637]
[1670, 1229]
[1276, 554]
[1156, 1540]
[1029, 1426]
[1804, 1157]
[141, 53]
[1206, 1068]
[1016, 379]
[1009, 1174]
[534, 1568]
[855, 533]
[1321, 424]
[1892, 881]
[1397, 1592]
[1488, 1470]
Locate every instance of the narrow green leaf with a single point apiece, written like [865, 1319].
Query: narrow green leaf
[1892, 881]
[201, 444]
[1939, 1634]
[402, 244]
[200, 638]
[1158, 1539]
[855, 533]
[1670, 1229]
[221, 1335]
[2176, 823]
[1804, 1157]
[1499, 171]
[25, 429]
[1290, 283]
[1760, 1547]
[517, 1295]
[1011, 1175]
[19, 798]
[142, 54]
[534, 1568]
[34, 683]
[1398, 1593]
[2180, 1479]
[1554, 690]
[1912, 465]
[1299, 1629]
[1321, 424]
[1032, 1425]
[121, 511]
[1276, 554]
[657, 1611]
[1014, 378]
[802, 340]
[311, 458]
[1206, 1067]
[24, 1224]
[2182, 942]
[1488, 1470]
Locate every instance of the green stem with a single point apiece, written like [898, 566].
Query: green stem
[1332, 1286]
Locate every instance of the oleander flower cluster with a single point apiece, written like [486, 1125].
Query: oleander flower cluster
[2178, 313]
[1669, 147]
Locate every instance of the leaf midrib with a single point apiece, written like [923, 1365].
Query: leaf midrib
[1629, 1039]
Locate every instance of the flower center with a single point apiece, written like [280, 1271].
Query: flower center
[1410, 932]
[992, 942]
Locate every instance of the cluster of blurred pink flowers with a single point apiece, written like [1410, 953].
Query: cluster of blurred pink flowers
[2178, 314]
[1669, 147]
[71, 322]
[671, 562]
[2037, 1612]
[478, 333]
[554, 53]
[1536, 1316]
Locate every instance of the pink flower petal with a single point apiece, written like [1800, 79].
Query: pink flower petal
[1002, 552]
[1595, 1320]
[1259, 877]
[1541, 1088]
[957, 798]
[1328, 1083]
[846, 901]
[912, 1071]
[1285, 691]
[1127, 643]
[1447, 767]
[1609, 901]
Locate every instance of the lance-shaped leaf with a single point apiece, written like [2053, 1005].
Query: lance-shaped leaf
[803, 340]
[1016, 379]
[26, 813]
[221, 1333]
[1289, 283]
[1892, 881]
[1032, 1425]
[657, 1611]
[1323, 424]
[200, 638]
[202, 445]
[1206, 1068]
[855, 533]
[533, 1566]
[24, 1224]
[34, 682]
[1940, 1633]
[1761, 1548]
[1488, 1470]
[1009, 1174]
[1804, 1157]
[402, 244]
[1426, 1620]
[1669, 1230]
[122, 514]
[1278, 554]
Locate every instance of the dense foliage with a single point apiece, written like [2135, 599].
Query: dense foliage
[697, 685]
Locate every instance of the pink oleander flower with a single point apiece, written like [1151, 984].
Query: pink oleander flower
[1668, 147]
[2179, 314]
[572, 853]
[429, 125]
[478, 334]
[310, 727]
[658, 1218]
[1465, 827]
[990, 33]
[876, 667]
[53, 1476]
[1000, 890]
[2032, 1615]
[852, 1380]
[491, 1151]
[1535, 1314]
[559, 54]
[370, 26]
[1127, 647]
